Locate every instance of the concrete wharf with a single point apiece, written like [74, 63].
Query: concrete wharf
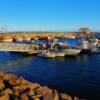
[16, 47]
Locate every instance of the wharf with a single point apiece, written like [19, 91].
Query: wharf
[17, 47]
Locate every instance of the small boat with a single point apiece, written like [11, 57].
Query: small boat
[72, 52]
[90, 46]
[66, 50]
[6, 39]
[95, 50]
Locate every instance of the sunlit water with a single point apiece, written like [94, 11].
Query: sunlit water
[78, 75]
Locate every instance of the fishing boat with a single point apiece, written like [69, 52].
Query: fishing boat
[84, 46]
[95, 50]
[64, 49]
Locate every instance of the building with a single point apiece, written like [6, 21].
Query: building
[84, 30]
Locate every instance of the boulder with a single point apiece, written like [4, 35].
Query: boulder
[2, 85]
[31, 92]
[46, 92]
[36, 98]
[56, 95]
[4, 97]
[24, 97]
[65, 96]
[8, 91]
[76, 98]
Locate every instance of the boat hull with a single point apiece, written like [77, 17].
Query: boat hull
[86, 51]
[72, 52]
[95, 50]
[60, 54]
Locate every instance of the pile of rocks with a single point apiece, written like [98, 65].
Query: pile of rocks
[17, 88]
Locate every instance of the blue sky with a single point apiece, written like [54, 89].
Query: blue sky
[49, 15]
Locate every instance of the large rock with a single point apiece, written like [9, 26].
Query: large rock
[4, 97]
[64, 96]
[24, 97]
[47, 93]
[8, 91]
[9, 76]
[36, 98]
[2, 85]
[76, 98]
[56, 95]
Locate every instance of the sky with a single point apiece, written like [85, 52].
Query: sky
[49, 15]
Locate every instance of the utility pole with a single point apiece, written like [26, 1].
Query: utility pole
[5, 28]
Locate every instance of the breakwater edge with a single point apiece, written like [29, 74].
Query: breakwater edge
[17, 88]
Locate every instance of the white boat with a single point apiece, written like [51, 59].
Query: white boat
[95, 50]
[72, 52]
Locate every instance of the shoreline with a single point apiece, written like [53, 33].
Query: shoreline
[13, 87]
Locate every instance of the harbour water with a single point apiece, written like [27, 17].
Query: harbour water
[78, 75]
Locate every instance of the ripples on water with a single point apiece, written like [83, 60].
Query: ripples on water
[78, 75]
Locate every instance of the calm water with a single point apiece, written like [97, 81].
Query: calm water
[78, 75]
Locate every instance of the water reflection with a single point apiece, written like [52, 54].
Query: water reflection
[82, 58]
[12, 61]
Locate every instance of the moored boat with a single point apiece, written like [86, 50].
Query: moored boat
[84, 46]
[72, 52]
[6, 39]
[95, 50]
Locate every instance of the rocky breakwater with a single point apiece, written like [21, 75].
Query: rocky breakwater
[13, 87]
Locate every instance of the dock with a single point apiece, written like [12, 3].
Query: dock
[17, 47]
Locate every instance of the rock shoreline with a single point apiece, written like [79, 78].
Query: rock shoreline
[13, 87]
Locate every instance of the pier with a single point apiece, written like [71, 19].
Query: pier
[16, 47]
